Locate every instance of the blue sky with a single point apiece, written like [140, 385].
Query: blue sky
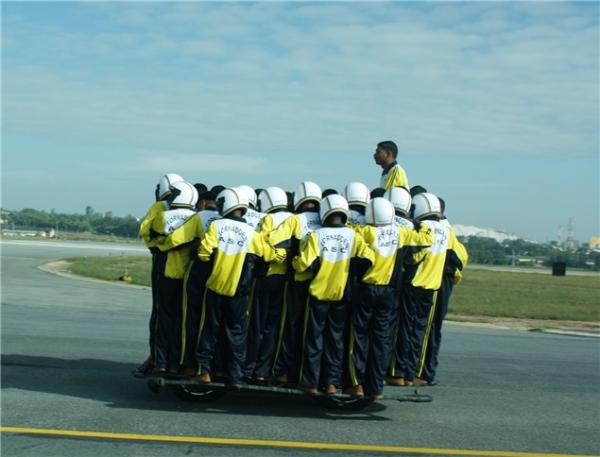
[494, 105]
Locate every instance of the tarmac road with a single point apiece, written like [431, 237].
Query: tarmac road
[68, 347]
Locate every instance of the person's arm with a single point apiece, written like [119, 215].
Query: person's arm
[282, 235]
[261, 248]
[182, 236]
[362, 250]
[266, 225]
[420, 237]
[146, 233]
[309, 252]
[208, 244]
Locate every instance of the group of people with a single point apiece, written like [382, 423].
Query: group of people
[316, 289]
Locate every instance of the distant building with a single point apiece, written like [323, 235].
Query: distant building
[594, 243]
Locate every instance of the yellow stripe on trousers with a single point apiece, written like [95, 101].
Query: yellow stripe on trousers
[423, 355]
[281, 326]
[351, 366]
[306, 316]
[277, 443]
[184, 308]
[201, 325]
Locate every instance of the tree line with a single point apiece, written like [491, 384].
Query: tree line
[481, 250]
[90, 222]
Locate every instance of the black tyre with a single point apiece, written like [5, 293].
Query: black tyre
[198, 393]
[344, 404]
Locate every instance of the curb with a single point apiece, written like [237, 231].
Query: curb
[569, 333]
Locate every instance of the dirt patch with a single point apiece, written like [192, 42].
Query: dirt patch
[530, 324]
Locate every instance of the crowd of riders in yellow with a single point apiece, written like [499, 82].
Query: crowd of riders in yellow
[314, 289]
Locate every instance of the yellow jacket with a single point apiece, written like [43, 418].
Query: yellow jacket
[193, 229]
[167, 224]
[393, 176]
[269, 223]
[333, 247]
[151, 240]
[456, 259]
[294, 230]
[385, 242]
[428, 265]
[233, 246]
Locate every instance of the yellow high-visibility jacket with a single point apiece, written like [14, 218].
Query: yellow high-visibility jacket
[233, 246]
[428, 265]
[385, 241]
[193, 229]
[167, 224]
[151, 239]
[393, 176]
[334, 248]
[269, 223]
[456, 259]
[294, 230]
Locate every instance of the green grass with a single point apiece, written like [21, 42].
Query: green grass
[527, 295]
[481, 293]
[111, 267]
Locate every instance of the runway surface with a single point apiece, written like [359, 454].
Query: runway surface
[68, 347]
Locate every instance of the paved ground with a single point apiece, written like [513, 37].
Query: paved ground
[68, 347]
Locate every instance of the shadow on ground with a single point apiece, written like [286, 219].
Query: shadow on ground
[112, 383]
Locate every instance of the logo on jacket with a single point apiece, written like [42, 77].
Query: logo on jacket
[230, 235]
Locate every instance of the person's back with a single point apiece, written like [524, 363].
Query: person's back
[170, 290]
[231, 246]
[328, 251]
[423, 277]
[290, 234]
[373, 314]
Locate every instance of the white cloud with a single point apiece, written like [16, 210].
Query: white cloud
[275, 77]
[205, 163]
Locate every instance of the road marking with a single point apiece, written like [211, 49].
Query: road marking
[277, 444]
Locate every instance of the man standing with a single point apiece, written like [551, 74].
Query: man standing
[393, 174]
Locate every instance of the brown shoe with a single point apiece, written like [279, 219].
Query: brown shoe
[203, 378]
[158, 372]
[376, 397]
[310, 390]
[188, 371]
[355, 391]
[281, 379]
[423, 382]
[394, 381]
[330, 389]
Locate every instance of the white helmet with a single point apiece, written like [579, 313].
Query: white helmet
[272, 198]
[250, 194]
[333, 204]
[379, 212]
[307, 191]
[164, 185]
[186, 195]
[231, 199]
[357, 194]
[400, 198]
[426, 204]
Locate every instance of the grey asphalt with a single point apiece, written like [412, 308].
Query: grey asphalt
[68, 347]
